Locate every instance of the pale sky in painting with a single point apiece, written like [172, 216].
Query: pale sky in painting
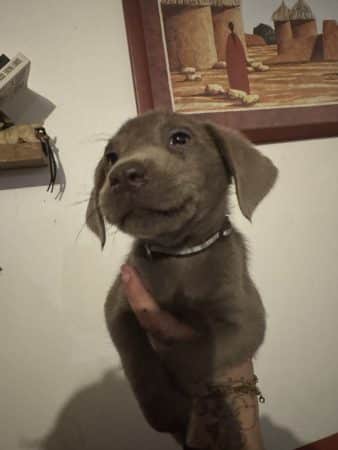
[260, 11]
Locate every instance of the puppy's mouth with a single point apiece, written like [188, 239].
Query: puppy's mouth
[151, 214]
[169, 212]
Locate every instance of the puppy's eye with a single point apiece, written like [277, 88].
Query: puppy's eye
[111, 157]
[179, 138]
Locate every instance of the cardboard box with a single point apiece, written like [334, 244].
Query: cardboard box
[14, 76]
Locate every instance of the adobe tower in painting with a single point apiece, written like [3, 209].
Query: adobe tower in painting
[297, 35]
[189, 34]
[303, 21]
[281, 19]
[196, 31]
[223, 13]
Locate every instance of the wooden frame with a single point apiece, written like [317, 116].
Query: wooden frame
[329, 443]
[151, 83]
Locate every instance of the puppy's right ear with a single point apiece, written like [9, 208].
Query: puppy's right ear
[94, 216]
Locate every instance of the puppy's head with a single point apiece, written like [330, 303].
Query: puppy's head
[164, 174]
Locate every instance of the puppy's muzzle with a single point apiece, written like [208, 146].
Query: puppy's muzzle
[128, 176]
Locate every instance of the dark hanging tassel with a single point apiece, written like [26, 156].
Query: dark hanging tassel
[48, 151]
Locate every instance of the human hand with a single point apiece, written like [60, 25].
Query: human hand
[162, 327]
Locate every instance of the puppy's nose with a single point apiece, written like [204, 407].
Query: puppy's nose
[128, 176]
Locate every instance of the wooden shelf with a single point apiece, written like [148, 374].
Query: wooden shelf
[13, 156]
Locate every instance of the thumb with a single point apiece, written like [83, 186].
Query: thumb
[139, 298]
[151, 317]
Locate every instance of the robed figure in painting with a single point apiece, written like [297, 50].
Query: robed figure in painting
[236, 62]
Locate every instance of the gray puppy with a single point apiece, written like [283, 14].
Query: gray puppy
[164, 179]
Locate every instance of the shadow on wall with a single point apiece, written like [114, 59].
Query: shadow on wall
[105, 416]
[28, 107]
[278, 438]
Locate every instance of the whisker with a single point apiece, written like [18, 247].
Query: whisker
[105, 137]
[102, 139]
[80, 202]
[78, 234]
[85, 223]
[84, 192]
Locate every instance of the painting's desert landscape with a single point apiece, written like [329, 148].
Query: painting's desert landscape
[283, 85]
[292, 62]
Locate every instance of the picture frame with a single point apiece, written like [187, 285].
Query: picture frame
[151, 77]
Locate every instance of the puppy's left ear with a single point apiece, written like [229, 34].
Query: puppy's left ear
[94, 216]
[253, 172]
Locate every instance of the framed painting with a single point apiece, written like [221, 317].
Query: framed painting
[266, 67]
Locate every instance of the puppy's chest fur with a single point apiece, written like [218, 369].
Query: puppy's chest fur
[195, 285]
[213, 293]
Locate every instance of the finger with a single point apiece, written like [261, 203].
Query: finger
[139, 298]
[161, 324]
[164, 326]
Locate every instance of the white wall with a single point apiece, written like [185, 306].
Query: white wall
[59, 373]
